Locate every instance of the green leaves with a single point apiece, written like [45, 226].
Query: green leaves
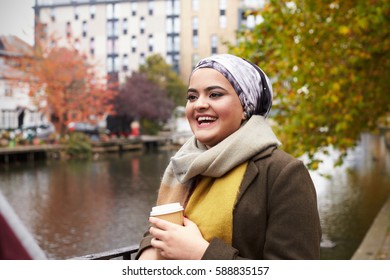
[330, 64]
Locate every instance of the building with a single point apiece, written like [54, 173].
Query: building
[208, 25]
[16, 107]
[118, 35]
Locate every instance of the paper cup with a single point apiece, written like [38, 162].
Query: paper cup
[171, 212]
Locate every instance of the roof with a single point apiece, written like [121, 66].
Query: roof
[11, 49]
[11, 45]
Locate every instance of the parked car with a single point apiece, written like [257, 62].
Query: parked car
[42, 131]
[83, 127]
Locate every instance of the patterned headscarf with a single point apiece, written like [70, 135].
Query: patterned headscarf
[250, 83]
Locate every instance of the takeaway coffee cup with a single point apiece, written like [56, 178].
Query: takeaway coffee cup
[171, 212]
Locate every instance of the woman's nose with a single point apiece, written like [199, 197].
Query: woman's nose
[201, 104]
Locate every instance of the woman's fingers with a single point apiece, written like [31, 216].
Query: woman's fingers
[160, 223]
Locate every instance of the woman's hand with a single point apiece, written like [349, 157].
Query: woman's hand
[177, 242]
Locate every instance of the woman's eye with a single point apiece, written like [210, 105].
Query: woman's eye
[215, 95]
[191, 97]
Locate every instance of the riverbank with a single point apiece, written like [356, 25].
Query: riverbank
[22, 153]
[376, 243]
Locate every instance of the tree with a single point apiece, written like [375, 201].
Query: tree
[329, 62]
[161, 73]
[62, 77]
[142, 99]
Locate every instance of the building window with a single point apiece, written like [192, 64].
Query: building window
[150, 42]
[92, 46]
[176, 7]
[133, 44]
[110, 64]
[116, 28]
[169, 25]
[176, 25]
[113, 29]
[68, 29]
[195, 36]
[222, 4]
[169, 44]
[116, 64]
[110, 29]
[113, 11]
[195, 5]
[150, 7]
[134, 8]
[111, 46]
[222, 13]
[222, 21]
[169, 8]
[142, 25]
[214, 44]
[125, 63]
[52, 14]
[77, 44]
[92, 11]
[124, 26]
[76, 13]
[176, 43]
[142, 59]
[84, 28]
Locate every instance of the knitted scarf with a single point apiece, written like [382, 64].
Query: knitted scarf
[194, 159]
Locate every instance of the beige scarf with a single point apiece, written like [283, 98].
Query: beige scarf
[195, 159]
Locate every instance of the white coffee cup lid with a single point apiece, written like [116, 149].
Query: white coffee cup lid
[166, 209]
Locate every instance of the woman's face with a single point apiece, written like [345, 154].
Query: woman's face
[213, 108]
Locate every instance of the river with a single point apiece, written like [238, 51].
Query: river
[75, 208]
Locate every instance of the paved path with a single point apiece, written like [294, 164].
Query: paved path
[376, 243]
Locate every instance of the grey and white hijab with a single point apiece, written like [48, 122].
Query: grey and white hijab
[251, 84]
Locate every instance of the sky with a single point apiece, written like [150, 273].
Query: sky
[17, 18]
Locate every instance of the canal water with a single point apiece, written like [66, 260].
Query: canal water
[75, 208]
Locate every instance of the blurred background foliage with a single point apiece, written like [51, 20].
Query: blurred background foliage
[329, 64]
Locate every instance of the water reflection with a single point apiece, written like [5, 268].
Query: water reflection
[350, 200]
[80, 207]
[76, 208]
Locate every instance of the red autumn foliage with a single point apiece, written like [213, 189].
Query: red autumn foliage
[62, 77]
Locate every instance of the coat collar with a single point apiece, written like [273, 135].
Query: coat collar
[252, 171]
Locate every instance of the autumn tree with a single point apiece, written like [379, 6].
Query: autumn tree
[161, 73]
[329, 63]
[62, 78]
[142, 99]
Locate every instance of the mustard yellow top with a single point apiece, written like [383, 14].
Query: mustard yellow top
[211, 204]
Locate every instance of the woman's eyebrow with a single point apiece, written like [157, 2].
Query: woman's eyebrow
[210, 88]
[192, 90]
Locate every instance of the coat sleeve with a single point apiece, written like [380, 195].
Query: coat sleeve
[144, 244]
[293, 230]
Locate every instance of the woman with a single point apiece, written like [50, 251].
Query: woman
[243, 197]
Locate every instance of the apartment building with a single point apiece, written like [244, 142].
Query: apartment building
[208, 25]
[117, 35]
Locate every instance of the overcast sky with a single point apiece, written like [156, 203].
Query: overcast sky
[17, 18]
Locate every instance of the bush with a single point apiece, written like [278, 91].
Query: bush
[79, 145]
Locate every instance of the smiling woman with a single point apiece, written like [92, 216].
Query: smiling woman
[243, 197]
[214, 110]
